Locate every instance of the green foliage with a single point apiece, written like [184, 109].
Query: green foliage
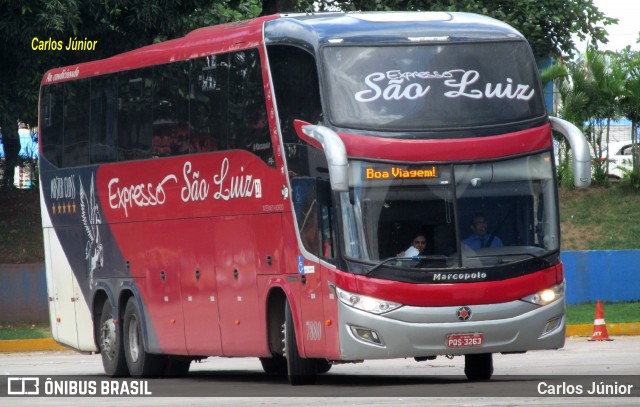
[565, 174]
[220, 12]
[595, 89]
[630, 178]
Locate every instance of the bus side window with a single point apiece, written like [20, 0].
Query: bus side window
[297, 94]
[248, 122]
[51, 108]
[326, 219]
[76, 123]
[103, 132]
[134, 114]
[295, 80]
[314, 215]
[208, 101]
[171, 110]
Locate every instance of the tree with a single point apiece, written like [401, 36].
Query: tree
[629, 105]
[592, 88]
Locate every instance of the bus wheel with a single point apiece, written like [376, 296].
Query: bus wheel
[323, 365]
[111, 348]
[140, 363]
[299, 370]
[479, 366]
[276, 365]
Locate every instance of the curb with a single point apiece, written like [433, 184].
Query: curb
[631, 328]
[30, 345]
[48, 344]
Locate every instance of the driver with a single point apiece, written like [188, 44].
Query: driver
[480, 239]
[417, 248]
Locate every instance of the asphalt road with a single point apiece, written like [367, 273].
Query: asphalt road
[540, 377]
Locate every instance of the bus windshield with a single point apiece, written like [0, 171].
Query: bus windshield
[511, 203]
[431, 87]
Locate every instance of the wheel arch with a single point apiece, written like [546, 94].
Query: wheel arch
[130, 293]
[276, 300]
[101, 294]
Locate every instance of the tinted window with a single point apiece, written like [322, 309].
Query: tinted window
[104, 119]
[171, 110]
[51, 109]
[432, 87]
[206, 104]
[76, 123]
[209, 102]
[134, 114]
[295, 82]
[248, 124]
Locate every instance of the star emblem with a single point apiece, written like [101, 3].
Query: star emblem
[463, 313]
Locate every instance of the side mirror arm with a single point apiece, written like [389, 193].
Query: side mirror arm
[334, 150]
[580, 151]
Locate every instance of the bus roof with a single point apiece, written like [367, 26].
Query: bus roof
[386, 27]
[307, 30]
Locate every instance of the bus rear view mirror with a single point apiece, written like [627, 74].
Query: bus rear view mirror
[579, 149]
[334, 150]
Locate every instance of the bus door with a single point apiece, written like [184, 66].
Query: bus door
[312, 217]
[199, 288]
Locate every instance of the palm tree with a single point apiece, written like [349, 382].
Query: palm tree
[609, 83]
[591, 89]
[630, 102]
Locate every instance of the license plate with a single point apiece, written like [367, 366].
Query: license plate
[464, 340]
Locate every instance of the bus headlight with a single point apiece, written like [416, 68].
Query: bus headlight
[364, 303]
[546, 296]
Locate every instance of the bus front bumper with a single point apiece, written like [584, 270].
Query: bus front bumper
[515, 326]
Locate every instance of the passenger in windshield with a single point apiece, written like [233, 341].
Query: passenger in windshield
[480, 238]
[417, 248]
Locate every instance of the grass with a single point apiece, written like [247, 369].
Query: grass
[619, 312]
[600, 219]
[24, 330]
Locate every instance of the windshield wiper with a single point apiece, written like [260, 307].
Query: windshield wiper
[382, 263]
[540, 260]
[420, 261]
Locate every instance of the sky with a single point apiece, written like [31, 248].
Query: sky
[626, 31]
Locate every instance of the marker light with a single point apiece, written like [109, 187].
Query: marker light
[364, 303]
[546, 296]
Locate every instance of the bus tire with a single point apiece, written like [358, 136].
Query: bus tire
[323, 365]
[111, 346]
[275, 365]
[299, 371]
[478, 366]
[140, 363]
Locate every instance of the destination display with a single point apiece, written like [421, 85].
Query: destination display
[393, 172]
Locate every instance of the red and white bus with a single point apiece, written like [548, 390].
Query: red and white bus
[248, 191]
